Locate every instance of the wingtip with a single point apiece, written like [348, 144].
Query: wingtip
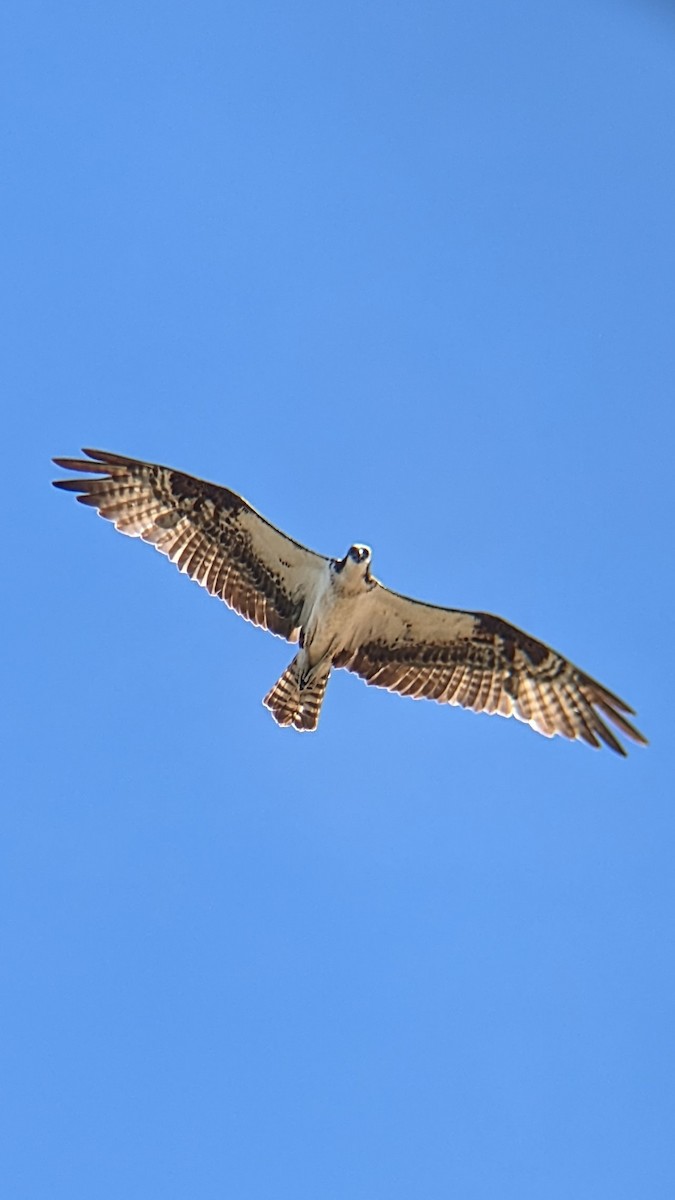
[105, 459]
[98, 462]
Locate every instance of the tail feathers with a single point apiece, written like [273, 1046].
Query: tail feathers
[295, 703]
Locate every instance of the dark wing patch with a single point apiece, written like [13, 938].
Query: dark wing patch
[481, 662]
[209, 532]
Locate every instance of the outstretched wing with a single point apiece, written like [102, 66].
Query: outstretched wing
[210, 533]
[480, 662]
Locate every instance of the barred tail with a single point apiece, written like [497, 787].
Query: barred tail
[296, 701]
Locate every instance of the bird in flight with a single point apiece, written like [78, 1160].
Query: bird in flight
[339, 614]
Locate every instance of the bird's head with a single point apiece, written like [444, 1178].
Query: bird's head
[355, 562]
[359, 554]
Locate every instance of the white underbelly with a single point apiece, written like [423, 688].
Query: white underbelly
[331, 625]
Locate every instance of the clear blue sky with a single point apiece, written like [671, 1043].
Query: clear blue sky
[402, 274]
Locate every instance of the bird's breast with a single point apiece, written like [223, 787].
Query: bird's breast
[331, 620]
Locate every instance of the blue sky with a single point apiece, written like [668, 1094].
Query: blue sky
[401, 274]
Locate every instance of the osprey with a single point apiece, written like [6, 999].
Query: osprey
[339, 614]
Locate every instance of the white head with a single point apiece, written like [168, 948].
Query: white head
[359, 554]
[356, 562]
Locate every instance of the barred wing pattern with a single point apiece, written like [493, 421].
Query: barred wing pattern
[209, 532]
[481, 662]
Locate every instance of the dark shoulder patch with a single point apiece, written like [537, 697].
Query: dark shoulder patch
[536, 651]
[186, 487]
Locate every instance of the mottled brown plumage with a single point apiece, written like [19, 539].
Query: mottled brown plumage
[341, 615]
[210, 533]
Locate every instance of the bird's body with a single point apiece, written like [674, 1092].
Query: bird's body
[339, 614]
[336, 612]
